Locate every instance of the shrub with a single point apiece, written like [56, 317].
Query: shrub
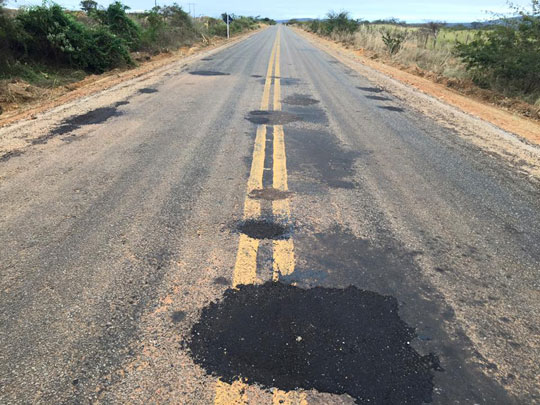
[118, 22]
[393, 40]
[52, 35]
[166, 27]
[340, 23]
[508, 56]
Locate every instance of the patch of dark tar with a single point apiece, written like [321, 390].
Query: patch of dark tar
[93, 117]
[222, 281]
[207, 59]
[337, 341]
[269, 194]
[391, 108]
[370, 89]
[148, 90]
[271, 117]
[320, 154]
[256, 76]
[300, 99]
[121, 103]
[378, 98]
[208, 73]
[285, 81]
[178, 316]
[264, 229]
[11, 154]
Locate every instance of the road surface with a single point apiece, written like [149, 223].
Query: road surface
[265, 225]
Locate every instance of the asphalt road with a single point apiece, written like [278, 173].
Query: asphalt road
[138, 242]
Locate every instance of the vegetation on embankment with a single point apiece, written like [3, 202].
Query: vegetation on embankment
[47, 46]
[498, 62]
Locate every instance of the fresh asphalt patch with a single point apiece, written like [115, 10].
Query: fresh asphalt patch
[264, 229]
[208, 73]
[337, 341]
[269, 194]
[260, 117]
[379, 98]
[300, 99]
[148, 90]
[391, 108]
[371, 89]
[93, 117]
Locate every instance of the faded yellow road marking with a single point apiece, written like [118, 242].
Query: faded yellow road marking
[284, 260]
[245, 269]
[277, 76]
[283, 250]
[265, 102]
[252, 208]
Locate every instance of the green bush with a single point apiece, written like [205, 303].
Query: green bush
[51, 35]
[340, 23]
[119, 23]
[393, 40]
[166, 27]
[507, 57]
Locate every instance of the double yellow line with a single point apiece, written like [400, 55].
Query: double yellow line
[245, 269]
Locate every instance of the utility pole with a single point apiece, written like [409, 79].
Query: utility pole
[228, 30]
[190, 5]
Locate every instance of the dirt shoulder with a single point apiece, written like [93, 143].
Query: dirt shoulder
[35, 100]
[529, 129]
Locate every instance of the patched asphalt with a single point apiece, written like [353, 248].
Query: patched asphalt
[118, 250]
[338, 341]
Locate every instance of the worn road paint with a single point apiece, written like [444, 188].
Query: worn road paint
[252, 207]
[245, 269]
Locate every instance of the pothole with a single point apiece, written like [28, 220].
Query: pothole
[390, 108]
[264, 229]
[148, 90]
[370, 89]
[270, 194]
[336, 341]
[300, 99]
[272, 117]
[208, 73]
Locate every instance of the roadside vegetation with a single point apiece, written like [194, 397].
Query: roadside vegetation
[497, 60]
[47, 46]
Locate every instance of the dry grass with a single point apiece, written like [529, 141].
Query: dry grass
[420, 49]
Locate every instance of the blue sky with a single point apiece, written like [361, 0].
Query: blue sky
[411, 11]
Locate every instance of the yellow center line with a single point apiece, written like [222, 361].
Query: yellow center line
[283, 250]
[245, 269]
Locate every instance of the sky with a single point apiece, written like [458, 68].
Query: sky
[410, 11]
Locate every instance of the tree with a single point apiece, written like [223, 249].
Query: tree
[88, 6]
[434, 27]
